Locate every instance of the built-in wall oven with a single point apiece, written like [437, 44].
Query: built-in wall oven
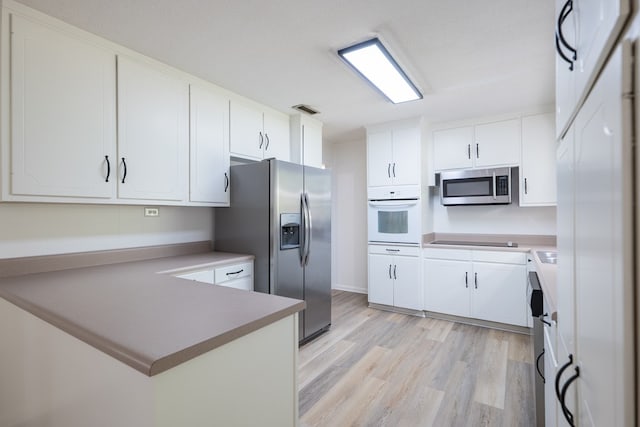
[395, 221]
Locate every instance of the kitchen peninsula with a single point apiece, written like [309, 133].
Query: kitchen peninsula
[127, 343]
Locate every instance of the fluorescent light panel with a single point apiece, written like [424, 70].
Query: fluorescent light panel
[374, 62]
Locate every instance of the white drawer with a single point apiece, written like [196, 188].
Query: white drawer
[234, 271]
[394, 250]
[450, 254]
[501, 257]
[205, 276]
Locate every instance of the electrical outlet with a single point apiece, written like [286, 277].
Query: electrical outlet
[151, 211]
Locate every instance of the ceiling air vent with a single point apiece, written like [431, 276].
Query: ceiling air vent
[305, 109]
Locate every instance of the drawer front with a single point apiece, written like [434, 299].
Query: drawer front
[451, 254]
[204, 276]
[394, 250]
[234, 271]
[501, 257]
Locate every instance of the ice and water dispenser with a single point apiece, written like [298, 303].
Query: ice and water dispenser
[289, 230]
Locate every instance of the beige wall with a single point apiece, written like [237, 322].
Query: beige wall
[28, 229]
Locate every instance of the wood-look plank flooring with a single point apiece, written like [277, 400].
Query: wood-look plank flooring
[375, 368]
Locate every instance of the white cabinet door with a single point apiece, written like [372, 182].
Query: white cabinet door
[446, 286]
[246, 134]
[62, 115]
[379, 155]
[312, 144]
[381, 279]
[452, 148]
[604, 238]
[405, 169]
[407, 287]
[276, 136]
[538, 169]
[153, 133]
[497, 144]
[209, 154]
[499, 293]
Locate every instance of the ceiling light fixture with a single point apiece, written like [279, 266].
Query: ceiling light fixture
[374, 62]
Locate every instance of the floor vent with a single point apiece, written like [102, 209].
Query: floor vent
[305, 109]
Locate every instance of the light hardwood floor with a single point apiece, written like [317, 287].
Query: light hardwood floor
[375, 368]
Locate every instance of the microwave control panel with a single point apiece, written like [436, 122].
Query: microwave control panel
[502, 185]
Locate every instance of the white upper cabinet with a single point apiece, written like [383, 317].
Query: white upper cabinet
[258, 133]
[153, 133]
[585, 34]
[209, 147]
[63, 140]
[393, 155]
[538, 169]
[306, 140]
[483, 145]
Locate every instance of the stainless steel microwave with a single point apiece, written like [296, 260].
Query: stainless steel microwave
[475, 187]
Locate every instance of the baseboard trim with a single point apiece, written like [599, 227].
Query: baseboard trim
[349, 289]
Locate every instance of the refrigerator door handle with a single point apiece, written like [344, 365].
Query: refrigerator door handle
[303, 243]
[308, 227]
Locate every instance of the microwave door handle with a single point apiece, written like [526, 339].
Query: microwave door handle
[494, 186]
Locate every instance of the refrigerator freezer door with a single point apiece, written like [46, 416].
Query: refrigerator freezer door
[317, 272]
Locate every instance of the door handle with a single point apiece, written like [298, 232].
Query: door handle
[564, 13]
[476, 279]
[261, 141]
[494, 186]
[477, 151]
[266, 136]
[525, 186]
[394, 272]
[389, 170]
[563, 394]
[308, 229]
[390, 272]
[559, 393]
[394, 170]
[469, 151]
[466, 279]
[106, 158]
[226, 182]
[542, 316]
[538, 364]
[124, 164]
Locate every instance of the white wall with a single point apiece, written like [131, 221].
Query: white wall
[29, 229]
[347, 162]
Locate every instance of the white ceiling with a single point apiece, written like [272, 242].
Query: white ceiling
[470, 58]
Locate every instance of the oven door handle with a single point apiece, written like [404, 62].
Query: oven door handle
[494, 186]
[393, 204]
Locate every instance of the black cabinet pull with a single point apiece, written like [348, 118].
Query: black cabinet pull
[394, 271]
[124, 176]
[538, 365]
[562, 55]
[261, 141]
[226, 182]
[476, 280]
[559, 394]
[389, 170]
[394, 170]
[235, 272]
[564, 13]
[390, 272]
[526, 191]
[542, 316]
[108, 168]
[477, 151]
[469, 151]
[563, 394]
[466, 279]
[266, 136]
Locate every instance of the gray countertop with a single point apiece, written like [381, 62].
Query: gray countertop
[149, 320]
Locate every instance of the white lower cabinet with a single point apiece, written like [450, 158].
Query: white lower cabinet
[394, 276]
[239, 276]
[486, 285]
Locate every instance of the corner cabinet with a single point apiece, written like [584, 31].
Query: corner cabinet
[306, 141]
[153, 133]
[393, 154]
[485, 285]
[63, 115]
[209, 147]
[394, 276]
[257, 133]
[482, 145]
[538, 167]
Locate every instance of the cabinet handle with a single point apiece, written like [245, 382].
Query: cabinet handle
[538, 364]
[562, 55]
[226, 182]
[394, 271]
[394, 170]
[564, 13]
[542, 316]
[392, 250]
[476, 280]
[266, 136]
[477, 151]
[261, 141]
[563, 394]
[124, 176]
[389, 170]
[466, 279]
[235, 272]
[390, 272]
[108, 168]
[469, 151]
[526, 191]
[557, 386]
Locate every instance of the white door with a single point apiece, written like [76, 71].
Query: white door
[246, 135]
[276, 134]
[407, 289]
[452, 148]
[153, 133]
[604, 238]
[381, 279]
[499, 293]
[447, 286]
[538, 170]
[379, 155]
[405, 169]
[62, 115]
[497, 144]
[209, 146]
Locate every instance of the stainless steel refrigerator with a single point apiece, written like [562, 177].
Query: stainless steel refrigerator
[281, 213]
